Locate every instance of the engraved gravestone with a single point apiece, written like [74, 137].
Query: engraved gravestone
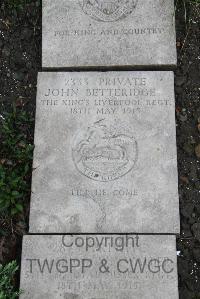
[99, 267]
[108, 33]
[105, 154]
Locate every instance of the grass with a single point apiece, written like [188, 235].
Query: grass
[15, 162]
[185, 2]
[193, 1]
[15, 172]
[7, 273]
[20, 4]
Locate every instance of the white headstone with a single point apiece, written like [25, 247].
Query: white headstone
[109, 33]
[99, 267]
[105, 154]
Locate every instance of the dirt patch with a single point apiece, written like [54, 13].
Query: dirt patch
[187, 89]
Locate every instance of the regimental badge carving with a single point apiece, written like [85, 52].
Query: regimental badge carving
[105, 152]
[108, 10]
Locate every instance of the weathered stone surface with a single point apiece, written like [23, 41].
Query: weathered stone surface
[105, 154]
[99, 266]
[108, 33]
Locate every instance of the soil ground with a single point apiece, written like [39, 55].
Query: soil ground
[20, 61]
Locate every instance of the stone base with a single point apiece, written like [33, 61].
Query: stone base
[99, 267]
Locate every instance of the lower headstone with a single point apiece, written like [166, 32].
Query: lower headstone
[105, 154]
[99, 267]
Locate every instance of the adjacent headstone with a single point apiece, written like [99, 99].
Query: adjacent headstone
[105, 154]
[99, 267]
[91, 33]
